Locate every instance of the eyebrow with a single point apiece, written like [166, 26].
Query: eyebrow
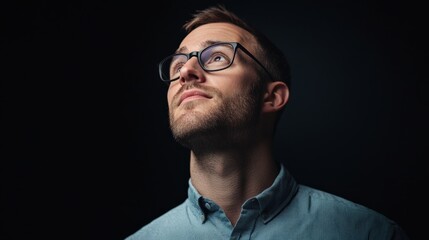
[203, 45]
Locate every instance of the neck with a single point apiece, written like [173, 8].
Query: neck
[230, 178]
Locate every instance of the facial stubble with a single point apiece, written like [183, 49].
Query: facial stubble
[219, 124]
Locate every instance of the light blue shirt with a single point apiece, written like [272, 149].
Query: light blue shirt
[286, 210]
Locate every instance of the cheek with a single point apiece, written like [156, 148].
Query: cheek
[172, 90]
[169, 96]
[238, 84]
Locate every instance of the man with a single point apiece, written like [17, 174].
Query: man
[228, 85]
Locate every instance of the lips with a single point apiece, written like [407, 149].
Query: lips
[193, 94]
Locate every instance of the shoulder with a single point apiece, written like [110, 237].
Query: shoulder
[164, 226]
[318, 200]
[331, 210]
[331, 204]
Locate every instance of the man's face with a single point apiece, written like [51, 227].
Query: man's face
[210, 105]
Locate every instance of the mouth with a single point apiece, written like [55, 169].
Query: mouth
[192, 95]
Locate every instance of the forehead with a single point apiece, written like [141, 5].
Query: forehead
[224, 32]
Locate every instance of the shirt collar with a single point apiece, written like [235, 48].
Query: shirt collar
[273, 199]
[195, 199]
[270, 201]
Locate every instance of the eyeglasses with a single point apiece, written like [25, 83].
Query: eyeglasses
[215, 57]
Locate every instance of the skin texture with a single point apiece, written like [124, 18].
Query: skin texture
[226, 118]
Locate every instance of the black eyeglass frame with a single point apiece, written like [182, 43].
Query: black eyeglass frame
[197, 54]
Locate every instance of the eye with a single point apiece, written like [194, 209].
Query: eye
[216, 60]
[217, 56]
[175, 68]
[176, 64]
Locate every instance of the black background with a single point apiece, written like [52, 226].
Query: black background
[86, 149]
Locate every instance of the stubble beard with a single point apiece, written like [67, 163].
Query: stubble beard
[223, 126]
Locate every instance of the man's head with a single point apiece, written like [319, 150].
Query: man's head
[266, 51]
[228, 80]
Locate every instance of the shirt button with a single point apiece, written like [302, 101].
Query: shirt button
[208, 206]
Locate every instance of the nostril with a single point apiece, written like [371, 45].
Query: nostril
[191, 71]
[190, 76]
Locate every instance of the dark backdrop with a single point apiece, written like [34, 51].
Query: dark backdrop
[86, 150]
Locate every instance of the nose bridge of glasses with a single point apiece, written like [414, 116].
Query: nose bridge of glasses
[193, 54]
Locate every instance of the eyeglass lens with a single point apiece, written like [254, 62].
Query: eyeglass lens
[213, 58]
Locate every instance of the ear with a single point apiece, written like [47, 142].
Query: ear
[275, 97]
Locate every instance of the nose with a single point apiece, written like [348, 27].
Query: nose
[191, 70]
